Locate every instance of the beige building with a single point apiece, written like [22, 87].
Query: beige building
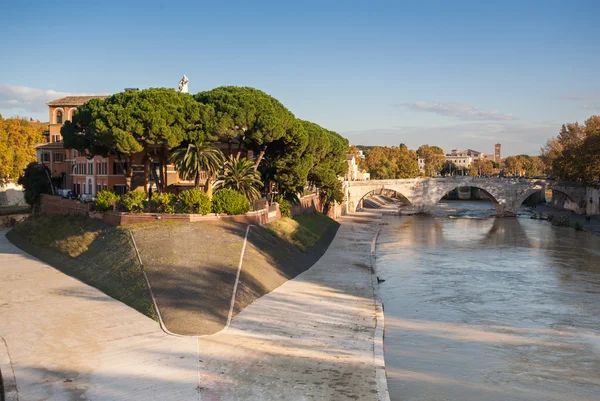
[354, 173]
[464, 158]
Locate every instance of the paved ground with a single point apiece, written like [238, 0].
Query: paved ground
[310, 339]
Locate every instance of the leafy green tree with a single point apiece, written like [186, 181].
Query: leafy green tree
[327, 151]
[36, 181]
[153, 120]
[448, 168]
[239, 174]
[195, 157]
[392, 162]
[434, 158]
[248, 116]
[17, 140]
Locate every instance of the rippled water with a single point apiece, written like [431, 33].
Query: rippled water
[479, 308]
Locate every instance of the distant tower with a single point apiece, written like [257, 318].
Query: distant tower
[497, 152]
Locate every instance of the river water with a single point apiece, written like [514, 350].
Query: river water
[479, 308]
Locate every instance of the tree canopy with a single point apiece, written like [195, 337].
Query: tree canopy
[574, 154]
[156, 120]
[433, 157]
[392, 162]
[288, 152]
[17, 140]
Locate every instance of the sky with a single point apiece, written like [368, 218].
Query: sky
[456, 74]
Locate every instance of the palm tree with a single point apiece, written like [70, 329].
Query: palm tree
[239, 174]
[196, 157]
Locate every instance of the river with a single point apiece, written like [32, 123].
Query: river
[483, 308]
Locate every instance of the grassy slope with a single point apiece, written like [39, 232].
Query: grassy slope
[90, 250]
[302, 231]
[191, 266]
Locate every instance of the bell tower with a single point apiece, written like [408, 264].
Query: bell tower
[497, 152]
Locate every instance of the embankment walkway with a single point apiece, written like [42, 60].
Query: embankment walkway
[310, 339]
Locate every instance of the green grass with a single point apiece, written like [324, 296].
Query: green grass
[90, 250]
[302, 231]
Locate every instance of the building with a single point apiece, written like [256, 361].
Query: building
[354, 173]
[464, 158]
[73, 170]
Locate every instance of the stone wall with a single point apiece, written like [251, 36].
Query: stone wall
[122, 219]
[12, 195]
[312, 203]
[56, 205]
[592, 196]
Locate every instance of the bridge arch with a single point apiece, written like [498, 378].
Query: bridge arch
[380, 191]
[487, 191]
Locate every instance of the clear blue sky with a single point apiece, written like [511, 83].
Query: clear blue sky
[460, 74]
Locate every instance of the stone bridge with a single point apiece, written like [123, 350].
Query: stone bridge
[424, 193]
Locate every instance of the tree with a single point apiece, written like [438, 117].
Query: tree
[196, 157]
[448, 168]
[17, 140]
[248, 116]
[392, 162]
[153, 120]
[239, 174]
[434, 158]
[36, 181]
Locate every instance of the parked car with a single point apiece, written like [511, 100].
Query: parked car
[86, 198]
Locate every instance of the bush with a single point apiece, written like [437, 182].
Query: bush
[36, 181]
[163, 203]
[230, 202]
[284, 207]
[134, 201]
[194, 201]
[105, 200]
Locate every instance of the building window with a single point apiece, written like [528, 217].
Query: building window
[119, 189]
[105, 187]
[90, 190]
[58, 158]
[74, 153]
[91, 168]
[84, 169]
[104, 168]
[118, 169]
[98, 188]
[45, 157]
[59, 117]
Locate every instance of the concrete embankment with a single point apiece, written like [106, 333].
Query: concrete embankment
[567, 217]
[311, 338]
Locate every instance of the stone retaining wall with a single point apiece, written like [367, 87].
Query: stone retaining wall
[54, 205]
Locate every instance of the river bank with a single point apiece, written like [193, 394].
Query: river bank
[545, 211]
[311, 338]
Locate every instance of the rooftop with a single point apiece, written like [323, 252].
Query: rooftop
[50, 145]
[74, 100]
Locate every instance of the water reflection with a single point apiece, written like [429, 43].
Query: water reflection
[482, 308]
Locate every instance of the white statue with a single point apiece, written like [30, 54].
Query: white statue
[183, 84]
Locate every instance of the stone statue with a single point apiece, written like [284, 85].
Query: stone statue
[183, 84]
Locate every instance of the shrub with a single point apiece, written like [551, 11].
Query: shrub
[284, 207]
[134, 201]
[230, 202]
[194, 201]
[36, 181]
[163, 203]
[105, 200]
